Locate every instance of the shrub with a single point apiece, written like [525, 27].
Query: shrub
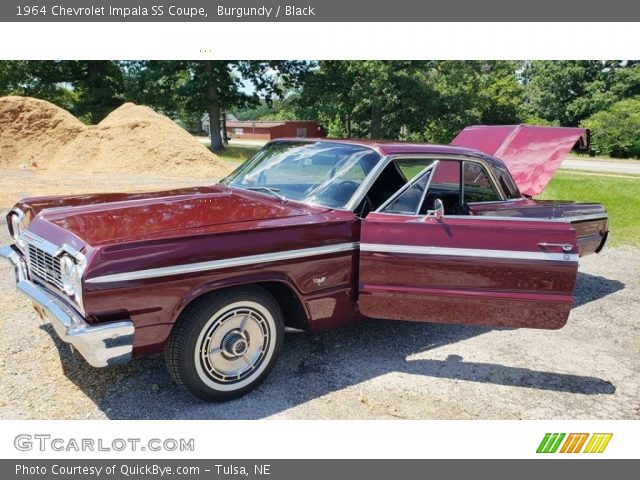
[616, 131]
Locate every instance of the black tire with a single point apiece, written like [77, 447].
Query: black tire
[236, 327]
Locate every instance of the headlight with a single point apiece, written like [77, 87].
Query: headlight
[16, 224]
[70, 274]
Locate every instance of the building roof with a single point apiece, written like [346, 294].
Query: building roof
[254, 123]
[264, 123]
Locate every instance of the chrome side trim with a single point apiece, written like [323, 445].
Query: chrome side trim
[467, 252]
[101, 345]
[224, 263]
[576, 218]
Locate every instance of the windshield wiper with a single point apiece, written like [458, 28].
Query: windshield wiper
[272, 191]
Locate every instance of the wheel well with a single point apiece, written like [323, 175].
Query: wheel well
[292, 310]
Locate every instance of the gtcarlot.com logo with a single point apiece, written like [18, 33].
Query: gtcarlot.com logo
[574, 443]
[44, 442]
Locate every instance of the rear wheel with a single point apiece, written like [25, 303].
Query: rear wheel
[225, 343]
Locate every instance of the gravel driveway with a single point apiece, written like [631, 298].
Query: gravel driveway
[590, 369]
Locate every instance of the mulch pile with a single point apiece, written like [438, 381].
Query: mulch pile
[131, 139]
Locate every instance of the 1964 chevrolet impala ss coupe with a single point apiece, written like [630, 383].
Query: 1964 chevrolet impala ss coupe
[310, 234]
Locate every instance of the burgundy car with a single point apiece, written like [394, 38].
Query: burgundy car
[310, 234]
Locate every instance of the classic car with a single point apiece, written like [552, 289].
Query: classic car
[309, 234]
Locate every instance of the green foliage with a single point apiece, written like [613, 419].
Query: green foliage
[180, 88]
[280, 109]
[615, 131]
[398, 99]
[37, 79]
[567, 92]
[379, 99]
[89, 89]
[409, 100]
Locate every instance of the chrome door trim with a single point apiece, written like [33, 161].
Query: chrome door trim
[224, 263]
[467, 252]
[575, 218]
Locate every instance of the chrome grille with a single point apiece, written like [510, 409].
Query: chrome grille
[44, 266]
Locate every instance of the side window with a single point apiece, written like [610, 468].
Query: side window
[409, 200]
[478, 187]
[398, 176]
[444, 186]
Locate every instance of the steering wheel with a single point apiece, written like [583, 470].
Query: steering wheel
[344, 190]
[347, 186]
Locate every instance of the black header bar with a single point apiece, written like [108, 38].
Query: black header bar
[321, 11]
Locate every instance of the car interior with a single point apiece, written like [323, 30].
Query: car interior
[400, 187]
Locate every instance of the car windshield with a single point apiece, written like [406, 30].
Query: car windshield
[323, 173]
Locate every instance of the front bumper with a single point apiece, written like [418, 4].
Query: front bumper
[101, 345]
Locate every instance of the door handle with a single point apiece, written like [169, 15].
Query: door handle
[566, 247]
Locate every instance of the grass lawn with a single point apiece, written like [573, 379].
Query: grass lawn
[620, 196]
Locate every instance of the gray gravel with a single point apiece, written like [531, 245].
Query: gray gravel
[378, 369]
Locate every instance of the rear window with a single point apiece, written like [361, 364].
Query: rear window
[477, 184]
[507, 184]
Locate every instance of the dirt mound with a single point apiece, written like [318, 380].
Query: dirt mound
[31, 127]
[132, 139]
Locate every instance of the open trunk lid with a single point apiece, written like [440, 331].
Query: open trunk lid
[531, 153]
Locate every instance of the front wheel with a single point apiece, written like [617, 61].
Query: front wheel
[225, 343]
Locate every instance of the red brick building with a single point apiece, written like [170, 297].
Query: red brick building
[269, 130]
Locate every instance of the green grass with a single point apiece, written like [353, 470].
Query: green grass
[237, 154]
[620, 196]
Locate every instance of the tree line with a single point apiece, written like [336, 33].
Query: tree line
[398, 99]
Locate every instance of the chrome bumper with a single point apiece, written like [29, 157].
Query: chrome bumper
[101, 345]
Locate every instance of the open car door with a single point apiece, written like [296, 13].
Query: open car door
[468, 270]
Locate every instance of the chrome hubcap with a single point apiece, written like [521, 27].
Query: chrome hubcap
[234, 345]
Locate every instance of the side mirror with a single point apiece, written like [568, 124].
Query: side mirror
[437, 212]
[438, 208]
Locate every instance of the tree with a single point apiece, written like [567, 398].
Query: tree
[39, 79]
[280, 109]
[614, 131]
[99, 85]
[366, 98]
[214, 86]
[468, 93]
[568, 92]
[90, 89]
[410, 100]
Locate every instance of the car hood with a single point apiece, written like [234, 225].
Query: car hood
[532, 153]
[141, 217]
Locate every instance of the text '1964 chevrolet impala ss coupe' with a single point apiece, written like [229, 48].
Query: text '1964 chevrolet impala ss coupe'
[310, 234]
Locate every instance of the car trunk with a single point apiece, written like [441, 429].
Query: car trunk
[532, 153]
[590, 220]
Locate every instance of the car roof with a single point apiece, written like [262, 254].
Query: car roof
[403, 148]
